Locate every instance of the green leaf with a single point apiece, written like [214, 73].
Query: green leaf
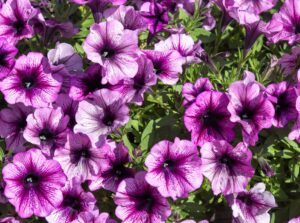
[147, 136]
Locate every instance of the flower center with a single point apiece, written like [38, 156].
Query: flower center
[145, 203]
[281, 104]
[225, 159]
[72, 202]
[138, 84]
[297, 28]
[108, 119]
[209, 118]
[45, 135]
[18, 25]
[246, 114]
[169, 164]
[157, 68]
[2, 59]
[93, 84]
[245, 199]
[28, 82]
[107, 52]
[31, 179]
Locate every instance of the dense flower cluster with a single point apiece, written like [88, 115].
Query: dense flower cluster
[68, 103]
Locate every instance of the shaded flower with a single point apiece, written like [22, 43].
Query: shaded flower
[191, 91]
[174, 168]
[112, 167]
[167, 65]
[7, 57]
[285, 25]
[183, 44]
[33, 183]
[253, 31]
[228, 169]
[137, 201]
[290, 63]
[47, 128]
[283, 95]
[114, 48]
[208, 118]
[78, 157]
[252, 206]
[95, 218]
[3, 199]
[249, 107]
[14, 20]
[295, 132]
[266, 168]
[101, 114]
[9, 220]
[31, 82]
[76, 202]
[13, 123]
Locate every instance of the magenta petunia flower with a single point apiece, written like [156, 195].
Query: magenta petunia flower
[14, 20]
[183, 44]
[33, 183]
[283, 96]
[295, 132]
[295, 220]
[285, 25]
[249, 107]
[114, 48]
[174, 168]
[9, 220]
[95, 218]
[253, 31]
[47, 128]
[228, 169]
[78, 157]
[252, 206]
[76, 202]
[101, 114]
[85, 84]
[112, 167]
[31, 82]
[128, 16]
[191, 91]
[137, 201]
[69, 107]
[193, 221]
[7, 57]
[167, 65]
[208, 118]
[13, 122]
[290, 63]
[133, 89]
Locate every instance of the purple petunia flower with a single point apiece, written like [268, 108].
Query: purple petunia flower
[295, 132]
[112, 167]
[283, 96]
[133, 89]
[14, 20]
[13, 123]
[101, 114]
[290, 63]
[285, 25]
[249, 107]
[183, 44]
[33, 183]
[47, 128]
[139, 202]
[76, 202]
[167, 65]
[85, 84]
[156, 16]
[7, 57]
[114, 48]
[228, 169]
[192, 221]
[31, 82]
[252, 206]
[253, 31]
[208, 118]
[128, 16]
[9, 220]
[174, 168]
[191, 91]
[295, 220]
[95, 218]
[78, 157]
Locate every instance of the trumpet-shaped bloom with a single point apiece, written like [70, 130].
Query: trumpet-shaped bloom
[290, 63]
[7, 57]
[33, 183]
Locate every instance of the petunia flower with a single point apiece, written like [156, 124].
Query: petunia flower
[13, 122]
[47, 128]
[295, 220]
[252, 206]
[31, 82]
[101, 114]
[114, 48]
[290, 63]
[95, 217]
[283, 95]
[174, 168]
[228, 169]
[9, 220]
[78, 158]
[76, 202]
[33, 183]
[167, 65]
[7, 57]
[208, 118]
[295, 132]
[285, 25]
[137, 201]
[14, 20]
[112, 167]
[3, 199]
